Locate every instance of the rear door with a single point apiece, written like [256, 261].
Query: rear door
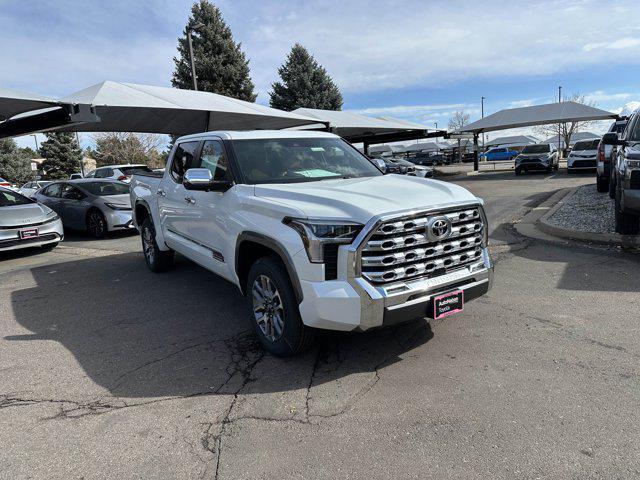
[74, 205]
[174, 204]
[50, 196]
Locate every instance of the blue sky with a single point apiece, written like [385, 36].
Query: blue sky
[417, 60]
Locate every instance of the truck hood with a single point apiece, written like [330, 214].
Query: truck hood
[359, 199]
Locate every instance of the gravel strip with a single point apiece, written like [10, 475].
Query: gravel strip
[586, 211]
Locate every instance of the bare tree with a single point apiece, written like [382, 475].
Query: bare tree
[125, 147]
[568, 129]
[458, 120]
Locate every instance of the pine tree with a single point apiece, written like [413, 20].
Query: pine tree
[304, 84]
[62, 155]
[15, 164]
[221, 66]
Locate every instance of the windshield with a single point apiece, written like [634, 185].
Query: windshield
[586, 145]
[128, 171]
[105, 189]
[634, 135]
[9, 199]
[285, 160]
[536, 149]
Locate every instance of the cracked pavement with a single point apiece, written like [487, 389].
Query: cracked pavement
[109, 371]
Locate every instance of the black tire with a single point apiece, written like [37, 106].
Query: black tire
[518, 172]
[96, 224]
[157, 260]
[557, 166]
[626, 223]
[612, 184]
[294, 337]
[602, 184]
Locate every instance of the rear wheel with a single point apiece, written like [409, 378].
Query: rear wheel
[612, 184]
[626, 223]
[157, 260]
[96, 224]
[602, 184]
[518, 172]
[274, 313]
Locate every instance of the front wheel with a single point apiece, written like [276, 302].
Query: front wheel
[626, 223]
[602, 184]
[274, 313]
[96, 224]
[612, 184]
[157, 260]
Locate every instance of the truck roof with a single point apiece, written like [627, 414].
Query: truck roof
[259, 134]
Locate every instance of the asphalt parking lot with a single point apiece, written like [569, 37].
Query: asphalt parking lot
[111, 371]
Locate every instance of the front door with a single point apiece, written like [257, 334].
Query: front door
[73, 205]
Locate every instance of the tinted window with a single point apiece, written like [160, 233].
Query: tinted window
[9, 199]
[131, 170]
[105, 189]
[214, 159]
[300, 159]
[100, 173]
[536, 148]
[53, 190]
[72, 193]
[633, 133]
[586, 145]
[182, 159]
[91, 174]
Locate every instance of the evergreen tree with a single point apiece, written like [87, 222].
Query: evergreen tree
[15, 164]
[62, 155]
[221, 66]
[304, 84]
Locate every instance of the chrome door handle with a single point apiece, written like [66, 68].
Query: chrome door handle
[160, 192]
[190, 200]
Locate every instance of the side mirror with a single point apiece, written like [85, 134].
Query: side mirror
[611, 138]
[380, 164]
[202, 179]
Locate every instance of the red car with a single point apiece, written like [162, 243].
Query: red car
[4, 183]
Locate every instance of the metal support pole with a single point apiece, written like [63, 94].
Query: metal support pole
[81, 156]
[559, 125]
[193, 65]
[36, 140]
[476, 167]
[365, 148]
[482, 117]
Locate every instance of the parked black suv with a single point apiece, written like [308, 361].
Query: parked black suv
[606, 159]
[626, 170]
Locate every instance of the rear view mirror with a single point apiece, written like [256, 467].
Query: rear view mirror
[611, 138]
[202, 179]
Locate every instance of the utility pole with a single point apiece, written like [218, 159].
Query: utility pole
[482, 110]
[36, 140]
[193, 65]
[559, 125]
[81, 155]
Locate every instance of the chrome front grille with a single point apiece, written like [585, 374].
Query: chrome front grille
[403, 249]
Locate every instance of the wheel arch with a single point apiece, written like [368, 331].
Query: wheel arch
[252, 245]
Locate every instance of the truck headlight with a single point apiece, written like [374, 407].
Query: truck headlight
[633, 164]
[316, 233]
[115, 206]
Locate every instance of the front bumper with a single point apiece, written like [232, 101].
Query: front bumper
[581, 163]
[48, 233]
[533, 165]
[118, 219]
[351, 303]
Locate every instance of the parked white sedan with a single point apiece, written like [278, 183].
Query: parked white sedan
[27, 223]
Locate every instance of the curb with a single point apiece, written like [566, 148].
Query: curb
[538, 219]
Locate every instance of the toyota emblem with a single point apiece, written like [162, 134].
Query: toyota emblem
[439, 228]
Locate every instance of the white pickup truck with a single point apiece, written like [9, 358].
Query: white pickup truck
[312, 233]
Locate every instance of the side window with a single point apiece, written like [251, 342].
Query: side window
[100, 173]
[72, 193]
[53, 190]
[182, 159]
[214, 159]
[91, 174]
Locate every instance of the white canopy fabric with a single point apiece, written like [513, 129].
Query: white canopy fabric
[129, 107]
[354, 126]
[14, 103]
[538, 115]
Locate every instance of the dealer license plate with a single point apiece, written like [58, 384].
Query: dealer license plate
[27, 233]
[448, 304]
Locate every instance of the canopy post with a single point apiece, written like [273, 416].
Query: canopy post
[365, 148]
[475, 153]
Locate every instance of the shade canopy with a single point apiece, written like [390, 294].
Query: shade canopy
[129, 107]
[422, 147]
[576, 137]
[513, 140]
[14, 103]
[538, 115]
[355, 127]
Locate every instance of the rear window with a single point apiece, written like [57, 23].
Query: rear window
[133, 170]
[586, 145]
[536, 148]
[105, 189]
[9, 199]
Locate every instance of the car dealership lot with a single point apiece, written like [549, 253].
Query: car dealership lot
[111, 371]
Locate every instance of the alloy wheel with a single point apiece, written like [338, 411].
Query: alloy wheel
[268, 309]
